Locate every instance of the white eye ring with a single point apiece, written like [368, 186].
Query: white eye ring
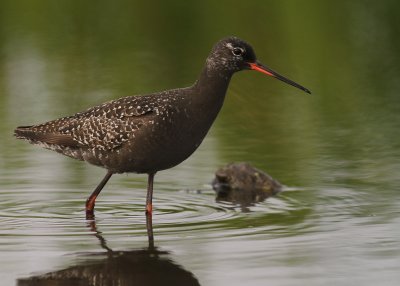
[236, 51]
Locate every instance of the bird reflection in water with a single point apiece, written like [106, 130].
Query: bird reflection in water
[148, 266]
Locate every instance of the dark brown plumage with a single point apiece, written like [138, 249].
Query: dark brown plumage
[149, 133]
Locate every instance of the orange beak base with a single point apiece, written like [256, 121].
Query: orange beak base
[265, 70]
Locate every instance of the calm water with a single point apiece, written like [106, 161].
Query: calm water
[337, 151]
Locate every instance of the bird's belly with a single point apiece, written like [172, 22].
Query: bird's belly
[156, 148]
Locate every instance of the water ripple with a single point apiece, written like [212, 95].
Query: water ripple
[175, 213]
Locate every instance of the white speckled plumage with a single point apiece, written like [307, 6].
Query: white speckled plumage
[102, 130]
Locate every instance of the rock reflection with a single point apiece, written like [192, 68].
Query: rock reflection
[148, 266]
[242, 184]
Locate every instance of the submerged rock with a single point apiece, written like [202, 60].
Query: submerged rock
[242, 183]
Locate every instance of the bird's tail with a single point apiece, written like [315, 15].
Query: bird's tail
[61, 143]
[35, 136]
[24, 132]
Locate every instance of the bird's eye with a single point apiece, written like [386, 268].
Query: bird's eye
[237, 51]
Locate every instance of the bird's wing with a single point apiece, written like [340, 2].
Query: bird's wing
[105, 127]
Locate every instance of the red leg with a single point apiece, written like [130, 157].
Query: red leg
[90, 202]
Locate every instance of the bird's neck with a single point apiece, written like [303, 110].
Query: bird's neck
[210, 88]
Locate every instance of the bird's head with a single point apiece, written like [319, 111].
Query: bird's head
[232, 54]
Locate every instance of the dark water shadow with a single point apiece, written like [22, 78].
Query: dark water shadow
[148, 266]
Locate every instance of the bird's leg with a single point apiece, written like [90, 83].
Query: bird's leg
[149, 227]
[91, 200]
[149, 198]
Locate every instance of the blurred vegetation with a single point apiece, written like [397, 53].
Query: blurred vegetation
[60, 57]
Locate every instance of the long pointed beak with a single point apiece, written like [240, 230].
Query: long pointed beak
[261, 68]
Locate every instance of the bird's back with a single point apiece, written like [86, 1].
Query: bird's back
[128, 134]
[103, 127]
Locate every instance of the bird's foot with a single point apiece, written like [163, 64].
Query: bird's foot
[90, 207]
[89, 214]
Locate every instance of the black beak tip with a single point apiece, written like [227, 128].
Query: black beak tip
[263, 69]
